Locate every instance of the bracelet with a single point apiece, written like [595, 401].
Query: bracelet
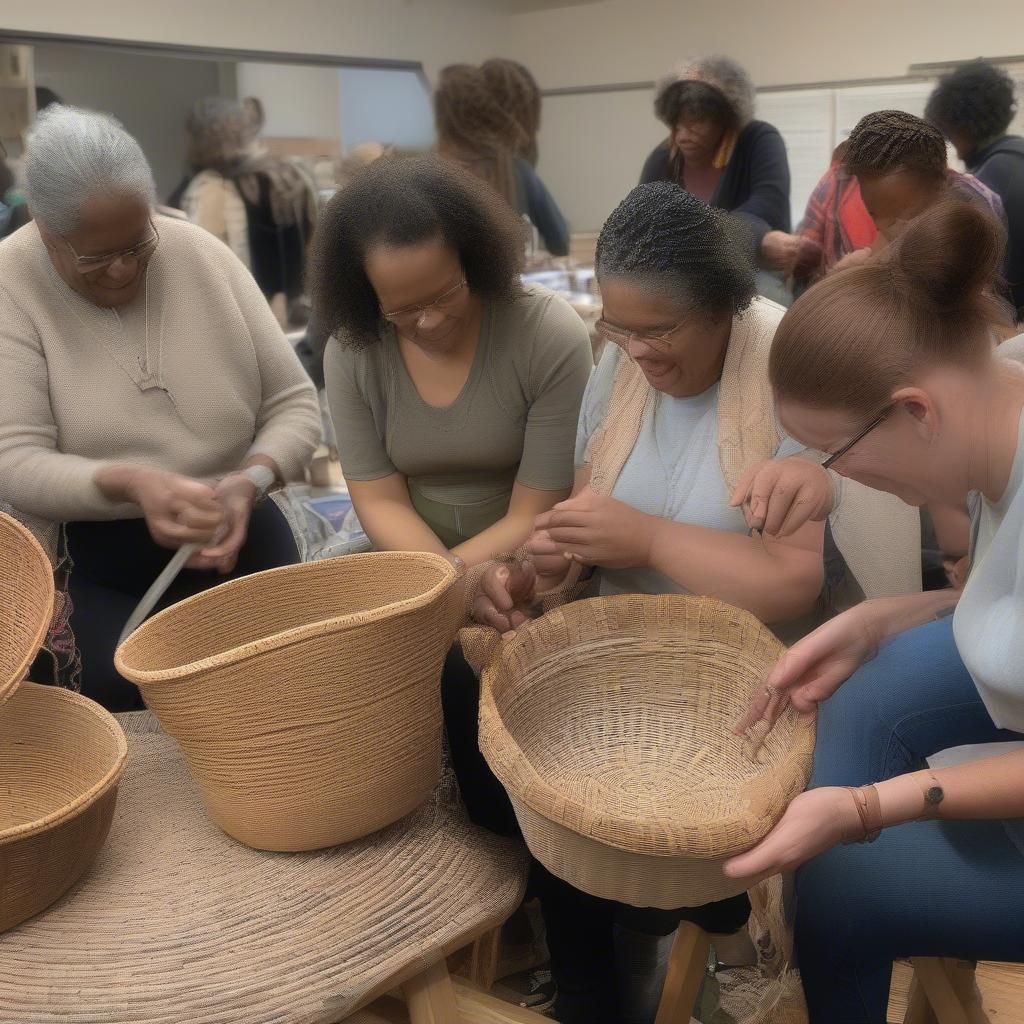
[869, 810]
[933, 797]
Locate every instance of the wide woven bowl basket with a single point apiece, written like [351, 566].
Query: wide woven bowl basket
[306, 699]
[61, 758]
[26, 602]
[609, 723]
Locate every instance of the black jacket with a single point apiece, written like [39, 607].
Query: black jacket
[1000, 165]
[539, 205]
[754, 184]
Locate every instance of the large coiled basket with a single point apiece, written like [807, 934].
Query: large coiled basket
[306, 699]
[26, 602]
[609, 721]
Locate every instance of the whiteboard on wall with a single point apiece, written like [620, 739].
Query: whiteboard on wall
[804, 119]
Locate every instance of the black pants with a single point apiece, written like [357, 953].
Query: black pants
[580, 927]
[114, 564]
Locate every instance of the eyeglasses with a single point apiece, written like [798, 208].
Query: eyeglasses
[621, 337]
[92, 264]
[413, 314]
[837, 455]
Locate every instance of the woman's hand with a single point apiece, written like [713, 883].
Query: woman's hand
[507, 597]
[237, 495]
[594, 529]
[549, 561]
[177, 509]
[779, 496]
[814, 822]
[811, 671]
[783, 251]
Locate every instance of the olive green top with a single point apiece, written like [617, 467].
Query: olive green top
[514, 420]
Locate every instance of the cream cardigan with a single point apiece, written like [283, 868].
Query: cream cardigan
[80, 386]
[878, 536]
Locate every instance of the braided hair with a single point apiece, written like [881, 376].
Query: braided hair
[893, 140]
[665, 238]
[976, 99]
[474, 130]
[516, 91]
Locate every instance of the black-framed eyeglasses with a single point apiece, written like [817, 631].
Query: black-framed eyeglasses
[621, 337]
[91, 264]
[837, 455]
[412, 314]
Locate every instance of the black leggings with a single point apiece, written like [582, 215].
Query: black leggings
[580, 927]
[114, 564]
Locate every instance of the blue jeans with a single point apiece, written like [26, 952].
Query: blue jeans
[932, 888]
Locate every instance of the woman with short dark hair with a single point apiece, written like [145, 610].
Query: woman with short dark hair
[454, 389]
[717, 151]
[973, 106]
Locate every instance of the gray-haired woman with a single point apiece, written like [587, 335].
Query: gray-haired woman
[147, 394]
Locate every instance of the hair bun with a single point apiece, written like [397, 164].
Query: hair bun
[951, 253]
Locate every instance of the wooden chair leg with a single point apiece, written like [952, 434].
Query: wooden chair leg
[962, 975]
[430, 997]
[932, 975]
[483, 963]
[687, 967]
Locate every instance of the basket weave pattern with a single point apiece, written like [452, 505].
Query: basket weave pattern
[61, 758]
[26, 601]
[306, 699]
[609, 723]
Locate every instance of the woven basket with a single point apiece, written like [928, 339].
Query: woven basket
[26, 602]
[306, 699]
[609, 723]
[61, 758]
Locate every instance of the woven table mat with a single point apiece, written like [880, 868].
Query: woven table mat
[176, 922]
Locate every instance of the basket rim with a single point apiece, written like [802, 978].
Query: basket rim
[27, 538]
[620, 831]
[297, 634]
[86, 799]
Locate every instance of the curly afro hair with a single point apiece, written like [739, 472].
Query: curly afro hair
[975, 100]
[404, 202]
[893, 140]
[665, 238]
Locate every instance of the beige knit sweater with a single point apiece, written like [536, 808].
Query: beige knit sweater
[79, 387]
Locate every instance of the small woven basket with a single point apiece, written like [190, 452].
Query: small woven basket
[306, 699]
[61, 758]
[609, 721]
[26, 602]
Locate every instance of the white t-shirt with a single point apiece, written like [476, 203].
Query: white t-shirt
[989, 620]
[673, 472]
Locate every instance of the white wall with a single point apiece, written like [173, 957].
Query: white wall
[436, 32]
[299, 101]
[150, 96]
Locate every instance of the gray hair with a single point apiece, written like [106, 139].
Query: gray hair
[73, 155]
[222, 133]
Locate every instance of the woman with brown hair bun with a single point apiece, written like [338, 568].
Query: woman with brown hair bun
[890, 367]
[475, 130]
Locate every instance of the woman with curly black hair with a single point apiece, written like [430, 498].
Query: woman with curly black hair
[973, 106]
[453, 388]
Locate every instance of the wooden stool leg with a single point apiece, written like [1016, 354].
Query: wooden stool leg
[687, 967]
[430, 997]
[919, 1010]
[932, 976]
[484, 959]
[961, 974]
